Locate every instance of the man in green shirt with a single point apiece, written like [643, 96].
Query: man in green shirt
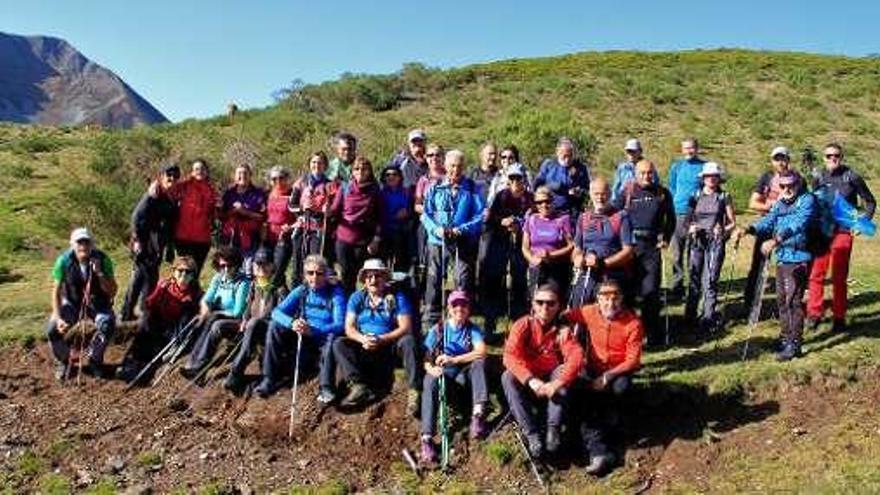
[345, 146]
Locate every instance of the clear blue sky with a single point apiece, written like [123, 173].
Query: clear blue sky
[189, 58]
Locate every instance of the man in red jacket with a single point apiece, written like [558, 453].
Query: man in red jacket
[615, 334]
[543, 358]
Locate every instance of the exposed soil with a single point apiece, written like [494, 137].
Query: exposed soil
[95, 429]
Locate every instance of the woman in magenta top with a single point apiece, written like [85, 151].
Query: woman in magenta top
[547, 243]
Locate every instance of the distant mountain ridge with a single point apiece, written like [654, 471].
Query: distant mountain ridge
[45, 80]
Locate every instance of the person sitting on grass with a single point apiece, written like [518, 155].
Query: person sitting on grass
[378, 325]
[458, 351]
[316, 311]
[172, 305]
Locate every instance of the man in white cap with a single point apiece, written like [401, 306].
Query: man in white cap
[626, 170]
[83, 288]
[765, 194]
[411, 160]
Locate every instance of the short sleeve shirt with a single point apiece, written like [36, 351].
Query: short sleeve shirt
[380, 319]
[60, 261]
[459, 339]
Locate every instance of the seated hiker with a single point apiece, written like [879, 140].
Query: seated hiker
[265, 293]
[458, 351]
[316, 311]
[377, 323]
[221, 308]
[786, 229]
[542, 360]
[172, 305]
[614, 348]
[83, 290]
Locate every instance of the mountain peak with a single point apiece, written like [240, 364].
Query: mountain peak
[45, 80]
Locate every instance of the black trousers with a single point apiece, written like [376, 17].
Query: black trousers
[144, 277]
[377, 367]
[461, 254]
[349, 260]
[790, 285]
[502, 258]
[198, 251]
[599, 411]
[648, 267]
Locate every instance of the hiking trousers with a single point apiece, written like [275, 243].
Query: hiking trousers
[358, 365]
[648, 280]
[461, 254]
[678, 246]
[599, 411]
[521, 400]
[791, 281]
[206, 345]
[105, 325]
[706, 259]
[279, 355]
[473, 374]
[504, 254]
[837, 255]
[144, 277]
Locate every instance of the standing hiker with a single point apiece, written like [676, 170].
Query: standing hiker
[263, 296]
[243, 213]
[197, 210]
[684, 181]
[625, 173]
[786, 228]
[567, 177]
[436, 157]
[542, 360]
[220, 310]
[839, 179]
[378, 326]
[411, 159]
[152, 228]
[456, 348]
[397, 221]
[453, 218]
[485, 174]
[710, 219]
[316, 311]
[355, 211]
[603, 245]
[280, 222]
[83, 289]
[764, 196]
[546, 243]
[649, 206]
[509, 158]
[345, 147]
[173, 303]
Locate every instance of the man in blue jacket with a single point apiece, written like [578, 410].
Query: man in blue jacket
[684, 181]
[568, 179]
[315, 310]
[787, 227]
[453, 219]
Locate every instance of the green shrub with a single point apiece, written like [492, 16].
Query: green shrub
[106, 155]
[21, 171]
[37, 143]
[500, 453]
[55, 484]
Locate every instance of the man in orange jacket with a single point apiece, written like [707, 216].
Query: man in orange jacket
[543, 359]
[615, 334]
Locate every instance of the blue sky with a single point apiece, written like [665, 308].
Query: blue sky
[189, 58]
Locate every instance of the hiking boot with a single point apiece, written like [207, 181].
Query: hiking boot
[412, 403]
[358, 395]
[427, 452]
[838, 325]
[234, 382]
[326, 396]
[60, 372]
[264, 389]
[554, 439]
[599, 464]
[788, 352]
[536, 448]
[478, 427]
[811, 323]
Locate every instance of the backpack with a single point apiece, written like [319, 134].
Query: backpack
[820, 230]
[615, 219]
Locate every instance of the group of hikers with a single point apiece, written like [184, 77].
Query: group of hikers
[344, 273]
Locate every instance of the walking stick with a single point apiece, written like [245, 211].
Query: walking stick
[443, 417]
[79, 337]
[665, 293]
[755, 314]
[533, 463]
[161, 355]
[299, 340]
[729, 281]
[508, 278]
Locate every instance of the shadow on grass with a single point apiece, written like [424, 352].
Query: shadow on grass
[6, 276]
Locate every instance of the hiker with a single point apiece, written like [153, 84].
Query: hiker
[436, 156]
[345, 147]
[567, 178]
[485, 174]
[452, 217]
[625, 173]
[509, 157]
[280, 222]
[263, 296]
[547, 242]
[457, 350]
[243, 212]
[542, 360]
[355, 211]
[197, 210]
[614, 348]
[396, 221]
[152, 228]
[411, 159]
[309, 201]
[505, 260]
[710, 219]
[764, 196]
[171, 306]
[378, 326]
[839, 179]
[220, 310]
[83, 289]
[786, 228]
[650, 210]
[684, 182]
[316, 311]
[603, 245]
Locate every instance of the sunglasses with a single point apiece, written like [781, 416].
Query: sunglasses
[786, 186]
[374, 275]
[183, 271]
[432, 155]
[780, 158]
[392, 174]
[542, 202]
[546, 302]
[832, 155]
[314, 272]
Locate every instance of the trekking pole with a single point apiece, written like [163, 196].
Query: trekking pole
[443, 417]
[665, 292]
[78, 336]
[171, 363]
[729, 281]
[755, 314]
[533, 463]
[299, 341]
[214, 361]
[508, 278]
[160, 356]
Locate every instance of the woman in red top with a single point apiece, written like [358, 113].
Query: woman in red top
[197, 203]
[279, 222]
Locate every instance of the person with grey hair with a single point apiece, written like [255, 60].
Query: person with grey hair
[453, 219]
[411, 159]
[567, 177]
